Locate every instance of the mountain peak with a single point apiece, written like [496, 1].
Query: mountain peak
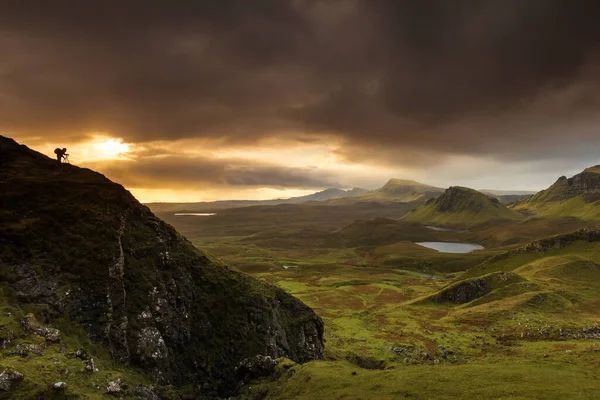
[461, 206]
[585, 184]
[395, 182]
[402, 190]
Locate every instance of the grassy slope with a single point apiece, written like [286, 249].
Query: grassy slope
[504, 379]
[364, 279]
[512, 333]
[573, 207]
[554, 283]
[461, 207]
[559, 201]
[57, 363]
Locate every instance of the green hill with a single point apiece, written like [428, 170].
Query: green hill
[529, 317]
[80, 254]
[461, 207]
[557, 277]
[401, 190]
[578, 196]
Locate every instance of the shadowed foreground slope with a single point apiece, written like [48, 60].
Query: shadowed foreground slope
[75, 246]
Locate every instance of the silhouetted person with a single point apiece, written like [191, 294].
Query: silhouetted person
[61, 154]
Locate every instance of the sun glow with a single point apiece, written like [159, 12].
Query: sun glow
[109, 148]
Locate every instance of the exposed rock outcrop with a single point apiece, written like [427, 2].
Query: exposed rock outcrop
[82, 245]
[586, 185]
[542, 245]
[468, 290]
[8, 378]
[31, 324]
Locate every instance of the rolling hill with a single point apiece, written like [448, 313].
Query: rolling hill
[578, 196]
[557, 276]
[461, 207]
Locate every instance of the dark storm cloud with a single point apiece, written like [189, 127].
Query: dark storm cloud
[200, 172]
[427, 76]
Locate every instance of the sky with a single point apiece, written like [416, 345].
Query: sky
[205, 100]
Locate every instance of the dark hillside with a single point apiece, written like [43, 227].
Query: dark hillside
[75, 246]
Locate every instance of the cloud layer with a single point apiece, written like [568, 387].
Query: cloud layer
[394, 82]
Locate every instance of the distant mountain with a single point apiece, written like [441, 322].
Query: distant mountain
[402, 190]
[512, 198]
[210, 206]
[395, 190]
[578, 196]
[493, 192]
[508, 196]
[461, 207]
[327, 194]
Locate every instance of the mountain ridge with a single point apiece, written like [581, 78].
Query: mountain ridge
[578, 196]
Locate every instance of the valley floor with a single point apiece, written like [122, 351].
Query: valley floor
[403, 321]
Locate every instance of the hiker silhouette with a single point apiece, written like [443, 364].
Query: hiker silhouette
[61, 154]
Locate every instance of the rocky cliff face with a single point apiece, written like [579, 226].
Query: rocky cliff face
[586, 184]
[468, 290]
[543, 245]
[83, 247]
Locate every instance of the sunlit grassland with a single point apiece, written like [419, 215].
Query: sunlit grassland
[573, 207]
[517, 340]
[488, 348]
[496, 379]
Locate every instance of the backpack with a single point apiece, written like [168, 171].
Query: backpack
[57, 151]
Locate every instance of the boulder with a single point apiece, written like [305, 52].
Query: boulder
[60, 386]
[23, 350]
[116, 387]
[89, 365]
[8, 378]
[31, 324]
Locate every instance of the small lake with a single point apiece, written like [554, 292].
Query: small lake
[196, 214]
[449, 247]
